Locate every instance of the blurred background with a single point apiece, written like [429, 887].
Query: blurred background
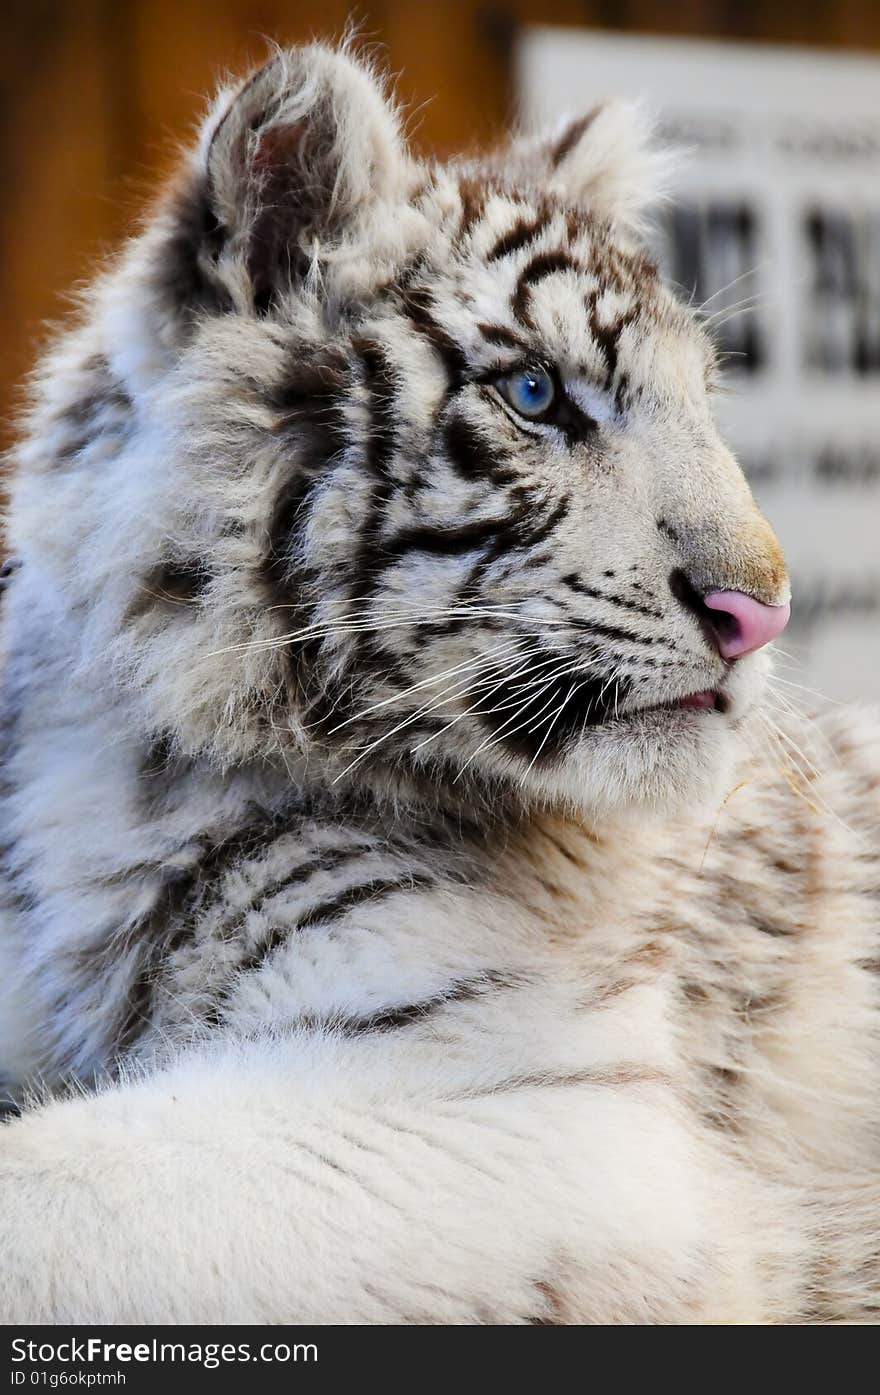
[778, 102]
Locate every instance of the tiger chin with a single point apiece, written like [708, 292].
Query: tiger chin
[412, 909]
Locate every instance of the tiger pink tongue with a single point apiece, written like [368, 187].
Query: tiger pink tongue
[744, 624]
[700, 700]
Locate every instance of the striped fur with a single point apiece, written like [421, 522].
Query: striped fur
[414, 957]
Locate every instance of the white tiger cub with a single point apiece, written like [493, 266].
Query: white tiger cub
[389, 855]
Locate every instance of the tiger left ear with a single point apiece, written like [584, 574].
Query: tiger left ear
[302, 150]
[289, 161]
[608, 162]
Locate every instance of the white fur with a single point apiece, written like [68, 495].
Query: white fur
[340, 1016]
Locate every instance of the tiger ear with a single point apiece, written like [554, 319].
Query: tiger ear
[609, 163]
[291, 158]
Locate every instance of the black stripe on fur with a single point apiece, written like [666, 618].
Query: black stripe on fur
[540, 267]
[522, 234]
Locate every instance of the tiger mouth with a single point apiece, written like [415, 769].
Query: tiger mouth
[541, 720]
[542, 716]
[704, 700]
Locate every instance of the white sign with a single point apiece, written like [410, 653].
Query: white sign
[778, 206]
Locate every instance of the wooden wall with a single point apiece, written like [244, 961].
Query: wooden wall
[94, 95]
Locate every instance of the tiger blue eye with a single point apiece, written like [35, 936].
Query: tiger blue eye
[530, 391]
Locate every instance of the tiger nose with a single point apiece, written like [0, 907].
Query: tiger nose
[742, 624]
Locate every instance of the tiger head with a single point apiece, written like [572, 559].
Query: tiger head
[402, 471]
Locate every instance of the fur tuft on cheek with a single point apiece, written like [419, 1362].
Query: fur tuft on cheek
[661, 772]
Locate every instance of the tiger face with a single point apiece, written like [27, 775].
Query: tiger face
[415, 477]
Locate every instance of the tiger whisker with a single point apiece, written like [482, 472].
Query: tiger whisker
[730, 284]
[790, 753]
[474, 709]
[538, 679]
[747, 303]
[413, 717]
[558, 713]
[425, 682]
[394, 620]
[775, 679]
[502, 733]
[793, 745]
